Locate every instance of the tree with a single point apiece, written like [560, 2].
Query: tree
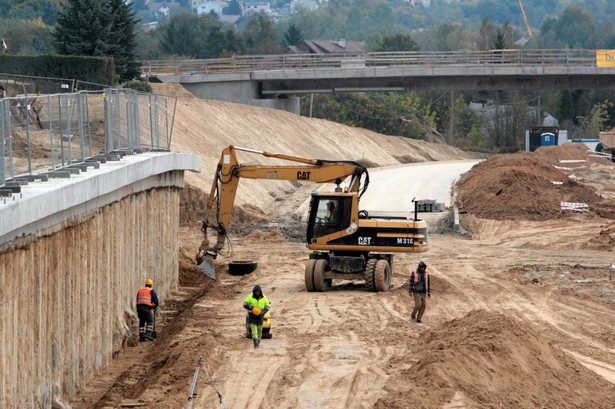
[84, 28]
[261, 37]
[184, 35]
[233, 8]
[591, 125]
[293, 35]
[123, 40]
[397, 42]
[99, 28]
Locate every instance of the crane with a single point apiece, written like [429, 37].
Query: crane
[346, 243]
[527, 24]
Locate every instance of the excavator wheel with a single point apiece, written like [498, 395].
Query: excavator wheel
[382, 275]
[370, 274]
[309, 274]
[320, 282]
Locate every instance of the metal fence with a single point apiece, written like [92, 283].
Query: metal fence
[14, 85]
[45, 134]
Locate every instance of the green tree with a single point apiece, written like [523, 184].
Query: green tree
[293, 35]
[397, 42]
[185, 35]
[260, 36]
[27, 37]
[573, 28]
[84, 28]
[233, 8]
[123, 40]
[591, 125]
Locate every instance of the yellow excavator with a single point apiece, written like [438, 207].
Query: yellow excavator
[346, 243]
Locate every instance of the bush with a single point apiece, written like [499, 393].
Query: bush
[138, 85]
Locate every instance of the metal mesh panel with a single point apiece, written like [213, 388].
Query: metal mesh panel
[44, 133]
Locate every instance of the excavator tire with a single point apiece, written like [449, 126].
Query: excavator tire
[383, 275]
[370, 274]
[309, 274]
[320, 282]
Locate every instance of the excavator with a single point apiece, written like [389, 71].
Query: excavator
[346, 243]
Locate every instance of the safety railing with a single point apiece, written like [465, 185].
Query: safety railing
[239, 64]
[41, 134]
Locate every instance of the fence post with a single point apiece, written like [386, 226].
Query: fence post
[27, 119]
[9, 125]
[81, 133]
[53, 162]
[2, 177]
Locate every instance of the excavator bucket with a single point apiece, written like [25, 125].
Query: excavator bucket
[207, 267]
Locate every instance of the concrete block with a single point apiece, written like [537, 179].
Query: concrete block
[59, 174]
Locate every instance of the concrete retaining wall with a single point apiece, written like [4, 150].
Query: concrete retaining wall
[68, 288]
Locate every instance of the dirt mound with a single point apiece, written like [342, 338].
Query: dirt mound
[495, 361]
[173, 90]
[192, 205]
[270, 236]
[527, 185]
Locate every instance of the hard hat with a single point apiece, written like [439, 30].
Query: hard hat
[256, 310]
[149, 282]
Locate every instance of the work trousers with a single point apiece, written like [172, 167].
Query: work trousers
[420, 304]
[257, 331]
[146, 320]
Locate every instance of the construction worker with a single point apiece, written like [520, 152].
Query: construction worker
[257, 305]
[147, 304]
[420, 288]
[331, 212]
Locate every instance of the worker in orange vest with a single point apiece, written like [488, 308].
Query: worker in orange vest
[420, 288]
[147, 303]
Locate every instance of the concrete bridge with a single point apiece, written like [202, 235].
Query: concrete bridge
[276, 80]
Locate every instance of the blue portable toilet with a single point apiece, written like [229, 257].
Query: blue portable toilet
[547, 139]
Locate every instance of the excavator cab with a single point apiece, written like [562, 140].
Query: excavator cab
[329, 214]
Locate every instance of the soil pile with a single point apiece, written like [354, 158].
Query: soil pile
[206, 127]
[487, 359]
[528, 185]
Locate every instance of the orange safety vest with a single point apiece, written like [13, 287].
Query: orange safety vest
[144, 297]
[416, 279]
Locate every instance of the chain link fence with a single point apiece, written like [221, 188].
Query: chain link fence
[55, 135]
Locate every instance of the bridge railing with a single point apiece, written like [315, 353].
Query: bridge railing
[43, 134]
[250, 63]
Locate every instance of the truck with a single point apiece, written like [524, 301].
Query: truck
[346, 243]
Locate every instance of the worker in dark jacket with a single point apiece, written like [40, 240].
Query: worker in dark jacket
[257, 305]
[147, 303]
[420, 288]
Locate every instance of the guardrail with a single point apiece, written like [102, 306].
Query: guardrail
[249, 63]
[42, 134]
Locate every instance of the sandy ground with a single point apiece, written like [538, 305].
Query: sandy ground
[521, 314]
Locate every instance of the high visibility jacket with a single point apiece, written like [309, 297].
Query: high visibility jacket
[144, 297]
[414, 279]
[261, 302]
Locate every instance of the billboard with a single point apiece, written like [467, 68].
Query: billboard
[605, 58]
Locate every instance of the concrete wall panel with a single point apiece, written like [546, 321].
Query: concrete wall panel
[67, 299]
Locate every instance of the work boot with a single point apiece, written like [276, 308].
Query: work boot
[258, 343]
[255, 341]
[413, 318]
[418, 321]
[148, 337]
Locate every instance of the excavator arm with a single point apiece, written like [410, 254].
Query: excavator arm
[229, 171]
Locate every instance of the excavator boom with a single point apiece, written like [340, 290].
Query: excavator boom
[229, 171]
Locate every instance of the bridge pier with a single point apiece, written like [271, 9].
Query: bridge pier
[73, 253]
[241, 91]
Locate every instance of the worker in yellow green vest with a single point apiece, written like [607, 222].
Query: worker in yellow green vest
[257, 305]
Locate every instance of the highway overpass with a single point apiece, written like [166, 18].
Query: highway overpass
[276, 80]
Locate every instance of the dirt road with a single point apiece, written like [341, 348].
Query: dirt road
[521, 317]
